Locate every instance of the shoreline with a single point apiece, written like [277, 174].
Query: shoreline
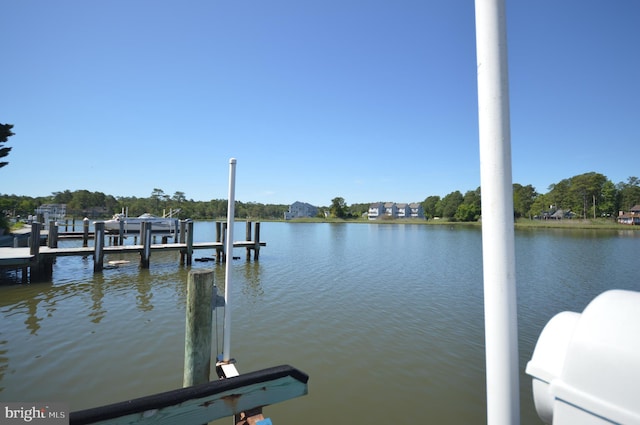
[518, 224]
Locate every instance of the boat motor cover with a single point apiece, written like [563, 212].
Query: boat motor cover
[548, 359]
[594, 367]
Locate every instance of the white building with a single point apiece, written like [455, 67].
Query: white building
[52, 212]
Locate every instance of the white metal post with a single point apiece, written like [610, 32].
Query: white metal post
[226, 342]
[501, 329]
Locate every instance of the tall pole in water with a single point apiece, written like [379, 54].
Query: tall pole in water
[226, 342]
[498, 252]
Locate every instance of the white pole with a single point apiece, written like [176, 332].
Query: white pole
[226, 342]
[501, 328]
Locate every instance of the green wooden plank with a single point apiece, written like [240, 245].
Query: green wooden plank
[202, 403]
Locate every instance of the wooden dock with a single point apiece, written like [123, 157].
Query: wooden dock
[37, 261]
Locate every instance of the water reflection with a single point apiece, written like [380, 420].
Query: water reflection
[97, 310]
[251, 280]
[338, 301]
[143, 286]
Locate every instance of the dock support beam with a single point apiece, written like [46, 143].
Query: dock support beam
[34, 249]
[256, 248]
[98, 255]
[52, 239]
[121, 232]
[85, 232]
[189, 242]
[186, 236]
[145, 238]
[197, 346]
[256, 240]
[248, 238]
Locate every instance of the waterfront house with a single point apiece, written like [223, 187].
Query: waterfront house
[300, 210]
[390, 209]
[403, 210]
[381, 210]
[416, 210]
[376, 210]
[632, 217]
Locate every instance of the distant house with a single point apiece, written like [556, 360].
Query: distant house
[300, 210]
[403, 211]
[51, 212]
[381, 210]
[416, 210]
[376, 211]
[558, 214]
[632, 217]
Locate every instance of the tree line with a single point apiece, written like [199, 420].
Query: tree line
[83, 203]
[589, 195]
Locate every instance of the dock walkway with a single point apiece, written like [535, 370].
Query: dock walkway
[37, 259]
[22, 256]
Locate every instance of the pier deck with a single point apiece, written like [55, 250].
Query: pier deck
[36, 260]
[18, 257]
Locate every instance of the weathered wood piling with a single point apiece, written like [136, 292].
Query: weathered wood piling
[201, 295]
[98, 262]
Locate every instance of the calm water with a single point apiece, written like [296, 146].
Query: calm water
[386, 319]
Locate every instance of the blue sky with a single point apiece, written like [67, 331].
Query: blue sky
[367, 100]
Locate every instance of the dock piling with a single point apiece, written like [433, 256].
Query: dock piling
[39, 268]
[221, 229]
[52, 239]
[85, 232]
[248, 237]
[121, 232]
[201, 298]
[34, 240]
[145, 238]
[256, 248]
[189, 242]
[98, 256]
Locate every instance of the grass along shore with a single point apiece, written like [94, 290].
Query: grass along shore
[599, 223]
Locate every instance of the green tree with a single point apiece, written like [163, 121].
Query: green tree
[62, 197]
[157, 195]
[338, 207]
[609, 202]
[450, 204]
[581, 194]
[358, 210]
[539, 206]
[629, 193]
[470, 208]
[179, 197]
[523, 197]
[429, 205]
[80, 201]
[559, 195]
[586, 190]
[466, 212]
[5, 133]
